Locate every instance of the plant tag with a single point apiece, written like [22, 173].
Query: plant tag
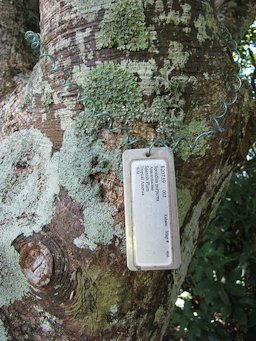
[152, 232]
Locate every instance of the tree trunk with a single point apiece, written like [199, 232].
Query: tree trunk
[158, 69]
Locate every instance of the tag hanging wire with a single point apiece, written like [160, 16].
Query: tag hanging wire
[34, 39]
[217, 128]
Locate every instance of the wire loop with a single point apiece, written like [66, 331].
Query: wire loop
[155, 144]
[34, 39]
[225, 105]
[233, 100]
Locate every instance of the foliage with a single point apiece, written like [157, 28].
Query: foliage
[247, 50]
[218, 299]
[219, 292]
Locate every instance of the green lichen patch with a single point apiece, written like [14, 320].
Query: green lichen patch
[124, 27]
[160, 314]
[201, 26]
[177, 56]
[110, 92]
[79, 74]
[83, 242]
[98, 231]
[13, 284]
[182, 17]
[153, 40]
[90, 6]
[146, 71]
[47, 99]
[81, 159]
[28, 186]
[206, 24]
[159, 6]
[2, 332]
[186, 14]
[167, 110]
[175, 84]
[190, 132]
[184, 200]
[27, 102]
[212, 22]
[28, 182]
[99, 297]
[166, 113]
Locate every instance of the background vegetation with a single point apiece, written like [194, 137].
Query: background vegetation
[218, 299]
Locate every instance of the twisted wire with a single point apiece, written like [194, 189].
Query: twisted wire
[34, 39]
[81, 97]
[216, 119]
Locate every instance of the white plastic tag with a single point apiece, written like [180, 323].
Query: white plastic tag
[152, 233]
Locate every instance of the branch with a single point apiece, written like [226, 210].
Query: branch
[236, 15]
[15, 56]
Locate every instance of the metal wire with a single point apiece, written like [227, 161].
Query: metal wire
[156, 143]
[217, 128]
[34, 39]
[191, 145]
[127, 140]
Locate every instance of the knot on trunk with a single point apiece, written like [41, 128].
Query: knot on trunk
[36, 263]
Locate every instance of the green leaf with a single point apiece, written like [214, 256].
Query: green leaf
[209, 272]
[176, 318]
[194, 332]
[224, 297]
[235, 274]
[247, 301]
[187, 310]
[212, 337]
[235, 289]
[205, 249]
[240, 316]
[226, 311]
[251, 318]
[226, 307]
[183, 325]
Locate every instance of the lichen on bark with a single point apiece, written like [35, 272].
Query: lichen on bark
[2, 332]
[206, 24]
[28, 185]
[109, 93]
[184, 201]
[123, 27]
[81, 159]
[158, 79]
[100, 299]
[29, 180]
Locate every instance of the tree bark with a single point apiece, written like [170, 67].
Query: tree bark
[233, 12]
[160, 69]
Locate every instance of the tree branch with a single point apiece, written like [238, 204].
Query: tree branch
[15, 55]
[236, 15]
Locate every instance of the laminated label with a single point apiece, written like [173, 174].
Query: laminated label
[152, 233]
